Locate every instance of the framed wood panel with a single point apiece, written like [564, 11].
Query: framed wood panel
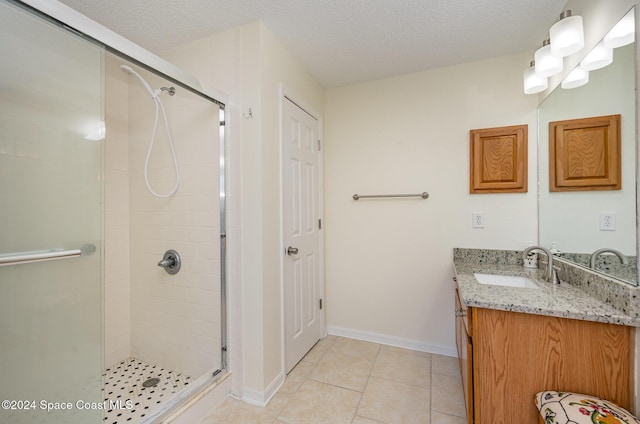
[498, 160]
[584, 154]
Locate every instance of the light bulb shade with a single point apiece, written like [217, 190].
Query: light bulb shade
[97, 132]
[576, 78]
[623, 33]
[567, 36]
[533, 83]
[546, 63]
[597, 58]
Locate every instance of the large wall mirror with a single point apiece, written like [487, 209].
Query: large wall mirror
[579, 223]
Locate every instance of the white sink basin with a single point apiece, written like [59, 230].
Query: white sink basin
[505, 280]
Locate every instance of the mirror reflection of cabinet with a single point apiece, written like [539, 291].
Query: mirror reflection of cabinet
[570, 221]
[584, 154]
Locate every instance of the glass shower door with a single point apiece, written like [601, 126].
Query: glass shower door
[51, 132]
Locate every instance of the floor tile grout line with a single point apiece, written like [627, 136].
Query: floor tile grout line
[410, 384]
[290, 397]
[430, 388]
[355, 414]
[307, 378]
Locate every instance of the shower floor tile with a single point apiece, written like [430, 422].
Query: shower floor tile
[130, 401]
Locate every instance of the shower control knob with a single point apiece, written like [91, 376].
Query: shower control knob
[170, 262]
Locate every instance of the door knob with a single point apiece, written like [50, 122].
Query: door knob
[292, 250]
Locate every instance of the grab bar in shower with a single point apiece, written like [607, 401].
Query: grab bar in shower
[43, 255]
[423, 195]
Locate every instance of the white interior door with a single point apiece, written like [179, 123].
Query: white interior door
[302, 265]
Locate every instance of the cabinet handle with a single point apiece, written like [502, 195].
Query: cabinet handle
[461, 312]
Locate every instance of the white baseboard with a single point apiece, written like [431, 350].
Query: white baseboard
[258, 398]
[393, 341]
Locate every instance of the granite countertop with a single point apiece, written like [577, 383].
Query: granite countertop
[562, 300]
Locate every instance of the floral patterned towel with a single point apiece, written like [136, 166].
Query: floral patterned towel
[573, 408]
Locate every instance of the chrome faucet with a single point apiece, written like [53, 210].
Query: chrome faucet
[551, 275]
[594, 256]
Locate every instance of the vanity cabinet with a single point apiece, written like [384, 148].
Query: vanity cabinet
[508, 357]
[465, 354]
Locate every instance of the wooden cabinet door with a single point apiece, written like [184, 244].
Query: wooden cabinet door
[517, 355]
[465, 355]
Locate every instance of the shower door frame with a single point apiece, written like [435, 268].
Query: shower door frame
[78, 24]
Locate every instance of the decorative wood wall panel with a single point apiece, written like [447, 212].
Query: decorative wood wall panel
[498, 160]
[584, 154]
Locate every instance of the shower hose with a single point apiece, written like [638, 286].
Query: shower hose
[159, 105]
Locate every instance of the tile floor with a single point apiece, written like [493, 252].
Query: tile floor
[124, 382]
[344, 380]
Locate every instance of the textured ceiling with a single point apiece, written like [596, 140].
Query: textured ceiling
[344, 41]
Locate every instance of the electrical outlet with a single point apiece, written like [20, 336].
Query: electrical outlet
[477, 220]
[607, 221]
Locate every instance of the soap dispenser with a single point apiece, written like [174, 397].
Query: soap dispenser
[531, 260]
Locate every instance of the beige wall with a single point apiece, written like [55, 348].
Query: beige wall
[388, 262]
[278, 69]
[250, 66]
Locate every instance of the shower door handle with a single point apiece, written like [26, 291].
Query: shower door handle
[44, 255]
[292, 250]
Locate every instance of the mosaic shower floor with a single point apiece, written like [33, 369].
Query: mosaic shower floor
[123, 388]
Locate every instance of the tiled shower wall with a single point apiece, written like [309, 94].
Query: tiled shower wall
[174, 320]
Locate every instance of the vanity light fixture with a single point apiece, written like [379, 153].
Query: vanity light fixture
[597, 58]
[623, 33]
[547, 64]
[532, 82]
[567, 35]
[576, 78]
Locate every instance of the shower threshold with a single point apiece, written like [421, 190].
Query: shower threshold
[128, 386]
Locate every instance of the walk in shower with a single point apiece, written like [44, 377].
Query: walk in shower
[105, 166]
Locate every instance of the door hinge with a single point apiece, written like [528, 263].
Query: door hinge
[319, 145]
[320, 224]
[320, 303]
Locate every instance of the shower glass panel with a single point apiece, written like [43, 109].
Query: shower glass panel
[51, 131]
[104, 166]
